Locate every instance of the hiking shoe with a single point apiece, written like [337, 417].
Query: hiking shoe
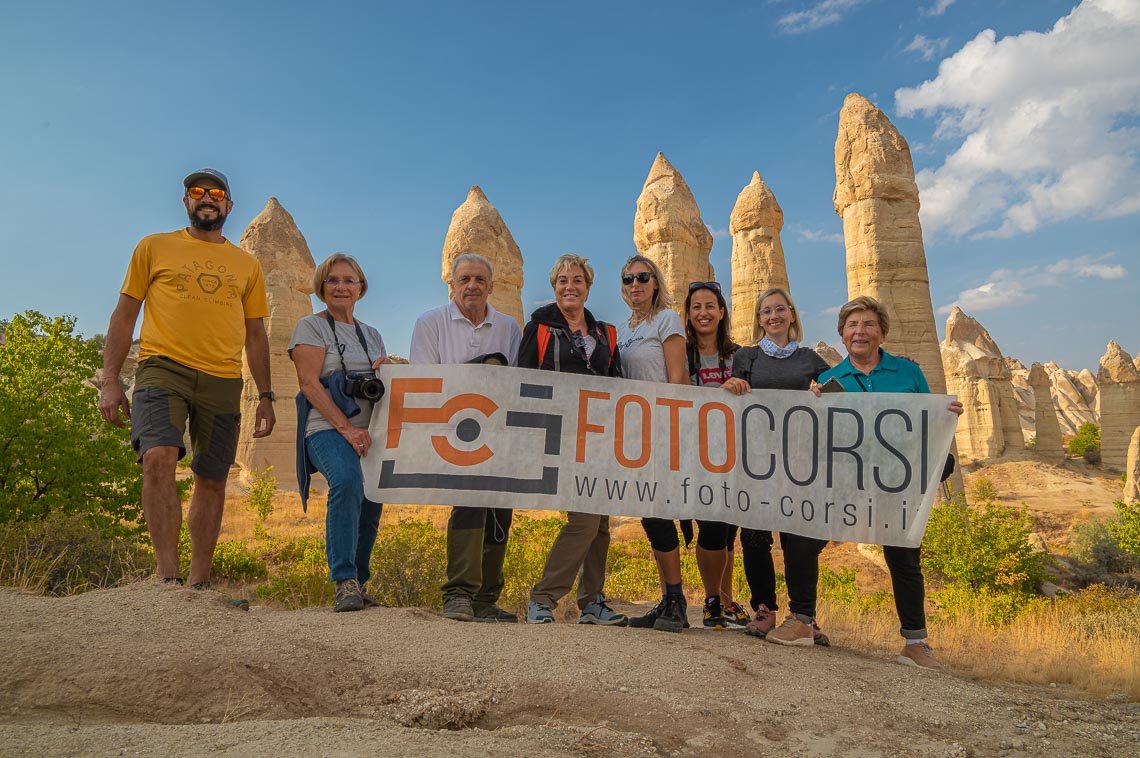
[672, 615]
[762, 623]
[494, 614]
[458, 608]
[598, 612]
[792, 632]
[821, 639]
[539, 613]
[647, 621]
[919, 654]
[348, 596]
[736, 615]
[714, 613]
[369, 601]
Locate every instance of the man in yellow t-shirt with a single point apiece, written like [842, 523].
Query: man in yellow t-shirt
[203, 301]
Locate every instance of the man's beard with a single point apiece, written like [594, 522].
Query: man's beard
[207, 225]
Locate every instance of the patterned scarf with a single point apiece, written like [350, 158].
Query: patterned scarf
[772, 350]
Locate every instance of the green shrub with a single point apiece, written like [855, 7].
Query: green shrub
[409, 564]
[1092, 454]
[983, 548]
[1087, 434]
[62, 554]
[632, 571]
[527, 548]
[982, 490]
[839, 586]
[1126, 527]
[960, 602]
[234, 561]
[1032, 443]
[258, 499]
[1098, 609]
[1097, 547]
[298, 574]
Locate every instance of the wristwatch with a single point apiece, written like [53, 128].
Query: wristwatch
[268, 394]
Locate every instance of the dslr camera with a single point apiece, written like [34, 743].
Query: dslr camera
[363, 385]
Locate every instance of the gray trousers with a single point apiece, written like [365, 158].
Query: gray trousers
[580, 549]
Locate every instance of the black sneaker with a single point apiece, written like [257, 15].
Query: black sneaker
[348, 596]
[714, 613]
[672, 615]
[647, 621]
[493, 614]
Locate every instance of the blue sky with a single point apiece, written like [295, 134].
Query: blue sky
[370, 121]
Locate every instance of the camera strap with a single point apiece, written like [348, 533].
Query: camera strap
[340, 347]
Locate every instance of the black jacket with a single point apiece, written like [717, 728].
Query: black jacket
[560, 349]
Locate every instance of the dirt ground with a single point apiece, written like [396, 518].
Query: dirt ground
[154, 669]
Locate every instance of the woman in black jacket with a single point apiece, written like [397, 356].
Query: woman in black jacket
[565, 336]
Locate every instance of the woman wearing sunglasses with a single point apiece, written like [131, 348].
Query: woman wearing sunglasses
[652, 347]
[565, 336]
[709, 352]
[327, 348]
[775, 362]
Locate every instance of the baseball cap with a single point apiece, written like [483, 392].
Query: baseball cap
[208, 173]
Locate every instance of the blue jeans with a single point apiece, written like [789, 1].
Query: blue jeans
[351, 520]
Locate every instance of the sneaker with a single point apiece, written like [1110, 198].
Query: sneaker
[714, 613]
[792, 632]
[737, 617]
[647, 621]
[762, 624]
[458, 608]
[920, 655]
[494, 614]
[539, 613]
[598, 612]
[672, 615]
[348, 597]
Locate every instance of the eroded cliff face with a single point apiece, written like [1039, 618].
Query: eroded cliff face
[1119, 382]
[757, 253]
[1047, 430]
[274, 239]
[668, 229]
[477, 227]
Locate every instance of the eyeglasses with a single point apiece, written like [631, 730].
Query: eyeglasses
[714, 286]
[779, 310]
[197, 193]
[334, 281]
[642, 277]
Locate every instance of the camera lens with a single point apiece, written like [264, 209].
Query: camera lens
[372, 389]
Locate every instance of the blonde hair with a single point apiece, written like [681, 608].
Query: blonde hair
[322, 272]
[795, 331]
[661, 298]
[566, 261]
[865, 303]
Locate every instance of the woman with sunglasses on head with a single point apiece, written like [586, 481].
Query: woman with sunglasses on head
[710, 352]
[652, 347]
[564, 336]
[776, 362]
[326, 349]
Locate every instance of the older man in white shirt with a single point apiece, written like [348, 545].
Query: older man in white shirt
[464, 329]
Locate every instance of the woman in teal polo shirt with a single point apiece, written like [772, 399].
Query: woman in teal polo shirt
[863, 326]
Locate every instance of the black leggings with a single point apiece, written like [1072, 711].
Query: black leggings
[662, 534]
[758, 567]
[801, 571]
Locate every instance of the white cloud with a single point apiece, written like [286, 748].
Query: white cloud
[938, 8]
[1046, 124]
[834, 311]
[718, 233]
[1011, 287]
[926, 47]
[823, 13]
[816, 235]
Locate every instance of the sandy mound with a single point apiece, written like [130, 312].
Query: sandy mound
[155, 669]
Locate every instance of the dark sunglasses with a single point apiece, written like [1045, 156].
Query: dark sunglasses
[641, 276]
[714, 286]
[197, 193]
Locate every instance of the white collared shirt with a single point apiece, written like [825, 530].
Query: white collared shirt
[445, 335]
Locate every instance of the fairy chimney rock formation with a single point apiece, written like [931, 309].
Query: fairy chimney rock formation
[757, 254]
[1045, 415]
[1132, 469]
[477, 227]
[828, 353]
[668, 230]
[1119, 382]
[274, 239]
[977, 373]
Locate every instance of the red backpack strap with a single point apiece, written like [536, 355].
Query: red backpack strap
[611, 332]
[543, 341]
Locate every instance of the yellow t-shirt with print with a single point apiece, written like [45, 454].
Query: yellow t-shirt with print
[196, 297]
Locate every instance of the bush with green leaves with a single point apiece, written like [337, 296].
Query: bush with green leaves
[409, 565]
[1126, 527]
[959, 602]
[1087, 435]
[527, 548]
[982, 490]
[235, 561]
[986, 547]
[1094, 544]
[258, 500]
[57, 455]
[298, 575]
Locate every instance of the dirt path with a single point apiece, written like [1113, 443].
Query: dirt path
[150, 669]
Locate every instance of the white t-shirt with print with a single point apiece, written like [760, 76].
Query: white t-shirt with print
[641, 348]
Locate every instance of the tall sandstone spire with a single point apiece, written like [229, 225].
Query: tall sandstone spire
[477, 227]
[1119, 382]
[668, 230]
[274, 239]
[877, 197]
[757, 255]
[1045, 415]
[977, 373]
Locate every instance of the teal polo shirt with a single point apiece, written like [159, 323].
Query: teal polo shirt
[893, 374]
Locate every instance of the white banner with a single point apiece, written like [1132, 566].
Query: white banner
[855, 467]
